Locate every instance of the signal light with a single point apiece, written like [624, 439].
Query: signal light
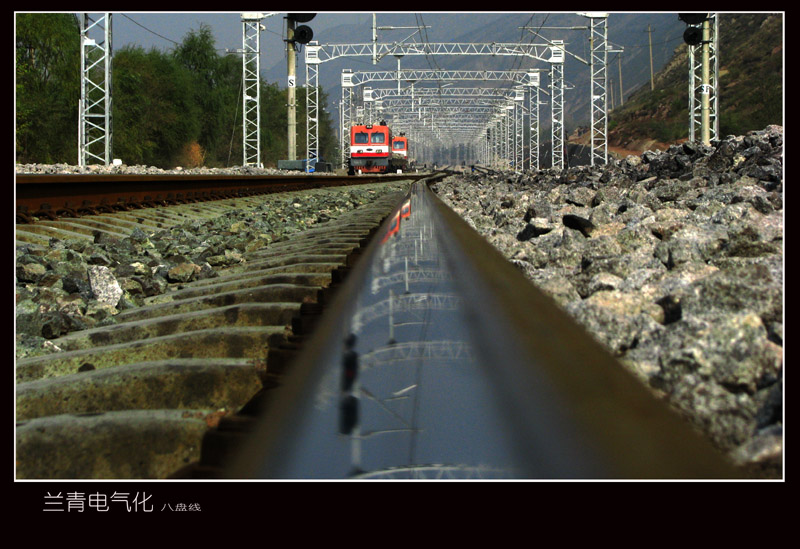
[303, 34]
[348, 414]
[693, 36]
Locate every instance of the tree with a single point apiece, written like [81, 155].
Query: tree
[155, 115]
[214, 85]
[328, 140]
[47, 87]
[168, 108]
[227, 142]
[274, 122]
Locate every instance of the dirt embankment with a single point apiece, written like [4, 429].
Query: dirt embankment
[621, 147]
[636, 147]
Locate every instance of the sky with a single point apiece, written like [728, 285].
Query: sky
[163, 30]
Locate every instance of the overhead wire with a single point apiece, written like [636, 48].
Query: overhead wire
[150, 31]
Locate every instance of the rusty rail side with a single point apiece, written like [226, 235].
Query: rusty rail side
[53, 196]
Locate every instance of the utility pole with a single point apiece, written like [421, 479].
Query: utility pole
[650, 39]
[291, 66]
[701, 36]
[610, 95]
[705, 127]
[374, 39]
[295, 34]
[621, 100]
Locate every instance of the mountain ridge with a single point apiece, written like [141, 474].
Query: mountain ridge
[750, 95]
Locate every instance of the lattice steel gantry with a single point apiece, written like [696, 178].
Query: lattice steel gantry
[598, 40]
[316, 54]
[557, 106]
[95, 136]
[533, 120]
[451, 124]
[251, 89]
[598, 61]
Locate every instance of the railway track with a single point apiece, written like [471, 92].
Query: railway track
[134, 399]
[438, 360]
[475, 375]
[52, 197]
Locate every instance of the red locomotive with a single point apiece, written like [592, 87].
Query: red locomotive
[400, 152]
[372, 149]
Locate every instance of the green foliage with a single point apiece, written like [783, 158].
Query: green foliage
[47, 87]
[154, 115]
[164, 103]
[275, 120]
[213, 87]
[669, 131]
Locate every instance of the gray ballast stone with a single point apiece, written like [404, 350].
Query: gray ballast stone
[105, 287]
[673, 260]
[132, 444]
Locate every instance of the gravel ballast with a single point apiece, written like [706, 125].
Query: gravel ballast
[674, 261]
[75, 284]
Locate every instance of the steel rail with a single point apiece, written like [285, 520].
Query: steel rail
[496, 382]
[55, 196]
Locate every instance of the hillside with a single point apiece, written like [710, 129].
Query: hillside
[750, 80]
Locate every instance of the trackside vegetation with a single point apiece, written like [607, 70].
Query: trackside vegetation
[181, 107]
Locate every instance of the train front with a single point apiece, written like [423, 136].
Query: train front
[370, 148]
[399, 160]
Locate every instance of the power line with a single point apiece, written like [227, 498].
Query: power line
[516, 63]
[666, 41]
[150, 31]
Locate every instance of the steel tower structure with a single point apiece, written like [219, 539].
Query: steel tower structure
[598, 40]
[95, 136]
[251, 89]
[315, 54]
[703, 83]
[557, 105]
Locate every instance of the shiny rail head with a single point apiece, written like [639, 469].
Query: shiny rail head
[439, 360]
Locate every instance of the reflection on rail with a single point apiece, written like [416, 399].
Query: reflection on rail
[437, 361]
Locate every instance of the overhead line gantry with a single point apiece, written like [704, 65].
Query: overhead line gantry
[316, 53]
[95, 136]
[520, 79]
